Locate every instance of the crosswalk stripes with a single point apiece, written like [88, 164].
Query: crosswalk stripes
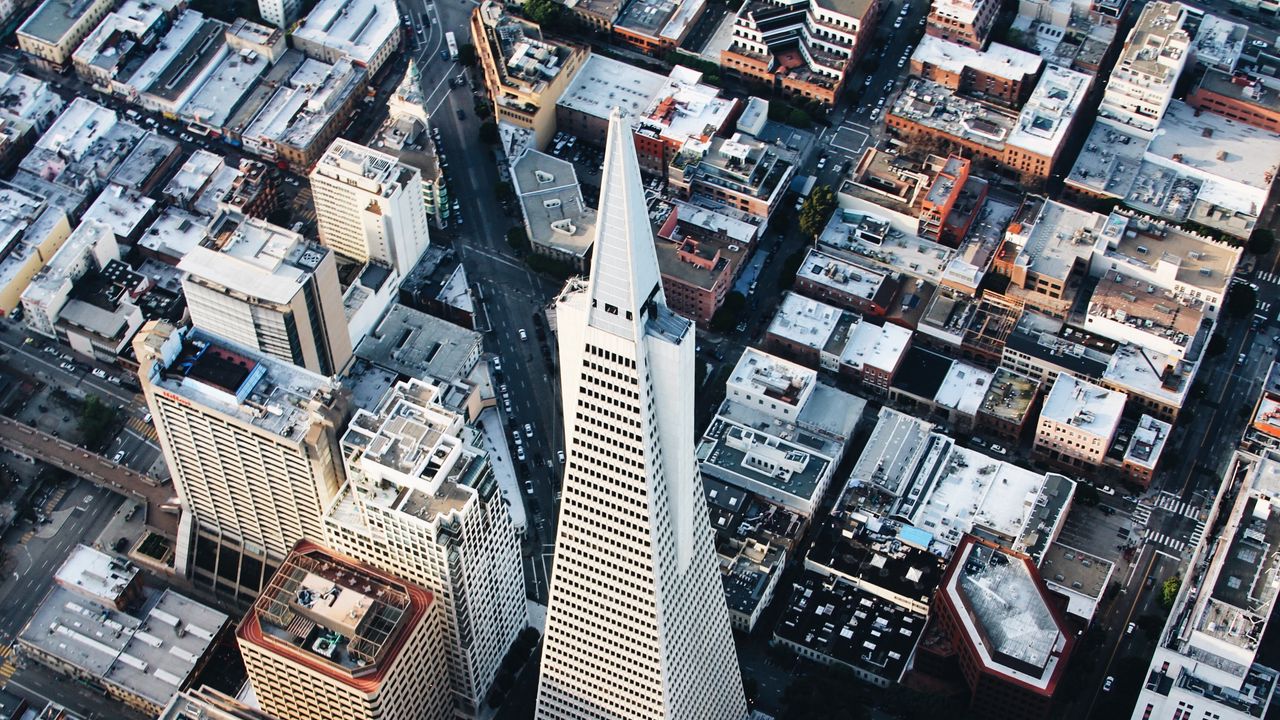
[1264, 307]
[1141, 515]
[8, 667]
[145, 429]
[1178, 506]
[1269, 277]
[1196, 535]
[1161, 539]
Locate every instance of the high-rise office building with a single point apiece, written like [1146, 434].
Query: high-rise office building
[265, 288]
[331, 637]
[636, 622]
[369, 206]
[280, 13]
[421, 502]
[252, 445]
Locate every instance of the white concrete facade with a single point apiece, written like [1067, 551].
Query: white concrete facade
[637, 626]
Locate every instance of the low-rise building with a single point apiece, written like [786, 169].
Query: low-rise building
[100, 627]
[950, 208]
[740, 172]
[123, 38]
[1194, 269]
[995, 615]
[805, 50]
[253, 191]
[81, 149]
[1142, 456]
[657, 26]
[1046, 252]
[684, 110]
[754, 539]
[1129, 310]
[1078, 576]
[362, 31]
[1077, 423]
[1219, 43]
[1263, 430]
[556, 219]
[303, 116]
[910, 471]
[999, 74]
[1207, 660]
[31, 233]
[1027, 142]
[830, 279]
[525, 71]
[333, 637]
[698, 267]
[874, 353]
[246, 36]
[1239, 97]
[811, 332]
[1008, 405]
[964, 22]
[601, 85]
[833, 622]
[52, 33]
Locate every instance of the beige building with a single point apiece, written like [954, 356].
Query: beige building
[56, 28]
[331, 637]
[1142, 83]
[1077, 423]
[421, 498]
[524, 72]
[31, 232]
[266, 288]
[369, 206]
[252, 446]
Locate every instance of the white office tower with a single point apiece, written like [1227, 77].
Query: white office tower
[421, 503]
[369, 206]
[252, 445]
[636, 622]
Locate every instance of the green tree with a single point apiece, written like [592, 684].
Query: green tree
[546, 13]
[1261, 241]
[489, 133]
[1169, 591]
[1087, 494]
[730, 312]
[1241, 300]
[518, 239]
[816, 209]
[97, 420]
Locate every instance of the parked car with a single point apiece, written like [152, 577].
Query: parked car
[560, 456]
[1106, 684]
[999, 450]
[528, 430]
[523, 335]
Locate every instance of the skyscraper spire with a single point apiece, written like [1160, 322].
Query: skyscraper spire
[637, 627]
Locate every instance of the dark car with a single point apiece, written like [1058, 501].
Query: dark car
[461, 115]
[120, 545]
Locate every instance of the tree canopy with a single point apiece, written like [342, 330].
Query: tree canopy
[816, 209]
[546, 13]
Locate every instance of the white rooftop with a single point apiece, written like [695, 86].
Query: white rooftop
[1219, 42]
[223, 90]
[96, 573]
[356, 28]
[175, 40]
[758, 372]
[1148, 442]
[824, 269]
[804, 321]
[876, 346]
[973, 490]
[1083, 405]
[25, 220]
[899, 252]
[1140, 370]
[260, 259]
[685, 107]
[1239, 162]
[28, 98]
[121, 210]
[1059, 237]
[1045, 118]
[998, 60]
[603, 84]
[964, 388]
[79, 126]
[193, 175]
[174, 234]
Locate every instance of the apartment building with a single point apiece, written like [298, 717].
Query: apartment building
[332, 637]
[252, 445]
[52, 33]
[1078, 422]
[364, 31]
[421, 502]
[805, 50]
[369, 206]
[1143, 79]
[1000, 73]
[963, 22]
[525, 72]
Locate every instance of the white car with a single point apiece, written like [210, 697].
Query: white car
[998, 450]
[67, 366]
[118, 457]
[99, 373]
[528, 430]
[520, 452]
[523, 335]
[560, 456]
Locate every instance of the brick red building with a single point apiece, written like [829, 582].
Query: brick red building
[1238, 97]
[995, 619]
[965, 22]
